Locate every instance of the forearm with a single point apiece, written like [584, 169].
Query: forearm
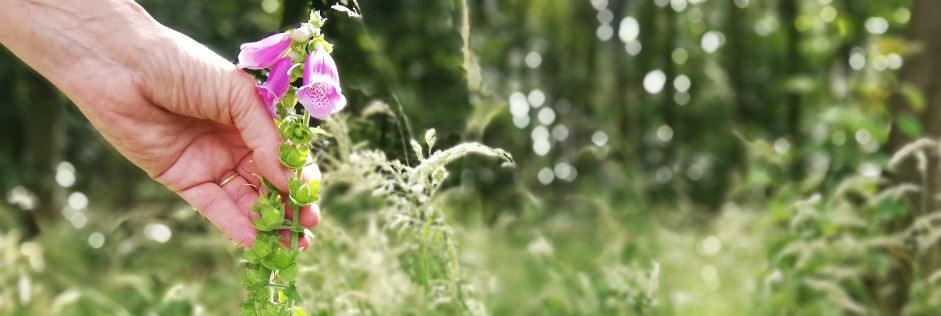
[66, 40]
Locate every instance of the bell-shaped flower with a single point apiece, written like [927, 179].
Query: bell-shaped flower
[274, 88]
[321, 94]
[264, 53]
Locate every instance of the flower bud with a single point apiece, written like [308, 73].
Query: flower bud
[305, 192]
[294, 156]
[303, 33]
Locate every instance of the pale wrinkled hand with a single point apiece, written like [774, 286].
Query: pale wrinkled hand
[180, 112]
[195, 124]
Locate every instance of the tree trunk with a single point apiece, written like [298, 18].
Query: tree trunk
[922, 71]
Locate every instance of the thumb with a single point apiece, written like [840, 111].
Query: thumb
[256, 127]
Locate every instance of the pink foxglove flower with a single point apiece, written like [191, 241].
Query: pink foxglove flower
[264, 53]
[321, 94]
[277, 84]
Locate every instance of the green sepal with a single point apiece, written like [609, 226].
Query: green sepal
[294, 156]
[271, 218]
[280, 259]
[269, 186]
[256, 278]
[261, 249]
[289, 100]
[284, 258]
[296, 131]
[304, 193]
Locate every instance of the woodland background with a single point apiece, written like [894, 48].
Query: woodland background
[673, 157]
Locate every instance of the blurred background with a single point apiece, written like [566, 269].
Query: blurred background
[672, 157]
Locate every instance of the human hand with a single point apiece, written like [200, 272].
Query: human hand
[183, 114]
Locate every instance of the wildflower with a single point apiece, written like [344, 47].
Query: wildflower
[264, 53]
[276, 85]
[321, 94]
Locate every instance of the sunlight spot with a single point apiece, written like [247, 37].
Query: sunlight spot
[521, 121]
[876, 25]
[545, 176]
[857, 58]
[664, 175]
[893, 61]
[682, 83]
[863, 136]
[546, 116]
[270, 6]
[605, 16]
[632, 48]
[838, 138]
[664, 133]
[158, 232]
[828, 14]
[22, 198]
[564, 171]
[870, 169]
[695, 172]
[781, 146]
[599, 138]
[540, 132]
[96, 240]
[654, 81]
[77, 200]
[679, 56]
[678, 5]
[711, 41]
[560, 132]
[541, 146]
[628, 30]
[518, 104]
[65, 174]
[605, 32]
[710, 246]
[536, 98]
[681, 98]
[533, 59]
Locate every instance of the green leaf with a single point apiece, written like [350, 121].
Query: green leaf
[297, 311]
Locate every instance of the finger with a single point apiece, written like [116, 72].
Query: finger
[256, 127]
[242, 192]
[247, 169]
[216, 205]
[285, 237]
[310, 215]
